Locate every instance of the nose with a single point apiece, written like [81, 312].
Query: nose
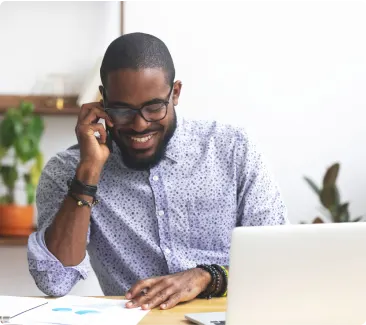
[139, 124]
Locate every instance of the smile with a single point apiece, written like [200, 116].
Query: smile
[142, 140]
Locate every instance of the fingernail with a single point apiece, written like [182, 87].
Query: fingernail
[128, 295]
[145, 306]
[163, 306]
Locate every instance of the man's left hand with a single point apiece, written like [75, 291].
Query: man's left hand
[167, 291]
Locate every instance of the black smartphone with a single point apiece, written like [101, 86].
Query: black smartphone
[109, 138]
[108, 129]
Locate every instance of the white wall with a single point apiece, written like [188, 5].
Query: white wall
[293, 73]
[38, 39]
[288, 71]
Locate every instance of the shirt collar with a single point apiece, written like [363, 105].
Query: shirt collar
[175, 146]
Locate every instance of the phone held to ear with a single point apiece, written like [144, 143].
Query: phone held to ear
[109, 138]
[107, 128]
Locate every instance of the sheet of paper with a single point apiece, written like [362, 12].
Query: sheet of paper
[74, 310]
[11, 306]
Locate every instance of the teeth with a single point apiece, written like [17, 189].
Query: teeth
[142, 139]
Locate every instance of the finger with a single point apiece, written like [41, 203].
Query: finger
[87, 130]
[151, 293]
[85, 108]
[141, 285]
[159, 298]
[94, 115]
[172, 301]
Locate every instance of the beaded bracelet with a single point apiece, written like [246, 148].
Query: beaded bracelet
[81, 202]
[227, 280]
[214, 285]
[224, 274]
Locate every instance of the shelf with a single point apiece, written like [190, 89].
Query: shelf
[10, 241]
[14, 241]
[44, 105]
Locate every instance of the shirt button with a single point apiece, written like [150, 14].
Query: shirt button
[167, 250]
[161, 213]
[155, 178]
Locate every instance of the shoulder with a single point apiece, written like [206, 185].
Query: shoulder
[217, 133]
[64, 163]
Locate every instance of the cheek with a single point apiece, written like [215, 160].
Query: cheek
[168, 120]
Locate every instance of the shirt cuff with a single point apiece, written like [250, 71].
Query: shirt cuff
[43, 260]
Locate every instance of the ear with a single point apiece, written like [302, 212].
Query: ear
[177, 87]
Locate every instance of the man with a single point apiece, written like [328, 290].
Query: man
[169, 192]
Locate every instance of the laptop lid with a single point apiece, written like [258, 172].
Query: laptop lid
[298, 274]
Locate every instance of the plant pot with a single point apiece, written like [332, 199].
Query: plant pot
[16, 220]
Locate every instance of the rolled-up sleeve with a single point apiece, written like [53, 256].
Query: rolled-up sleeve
[50, 276]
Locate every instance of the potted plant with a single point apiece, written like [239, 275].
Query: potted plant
[330, 198]
[20, 158]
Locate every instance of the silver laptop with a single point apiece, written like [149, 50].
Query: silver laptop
[295, 275]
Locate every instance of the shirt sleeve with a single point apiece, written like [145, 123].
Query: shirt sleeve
[259, 199]
[50, 276]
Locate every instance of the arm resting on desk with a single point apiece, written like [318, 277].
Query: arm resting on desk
[51, 277]
[56, 273]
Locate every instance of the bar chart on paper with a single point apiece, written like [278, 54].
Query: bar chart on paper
[73, 310]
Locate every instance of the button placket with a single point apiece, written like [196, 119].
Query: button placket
[160, 212]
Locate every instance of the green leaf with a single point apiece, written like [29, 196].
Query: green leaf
[9, 175]
[331, 175]
[3, 152]
[35, 171]
[39, 161]
[5, 199]
[26, 108]
[35, 127]
[312, 185]
[7, 133]
[26, 148]
[329, 197]
[357, 219]
[343, 214]
[10, 128]
[30, 190]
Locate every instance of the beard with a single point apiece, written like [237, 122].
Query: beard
[133, 162]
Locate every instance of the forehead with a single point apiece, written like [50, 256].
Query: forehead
[136, 86]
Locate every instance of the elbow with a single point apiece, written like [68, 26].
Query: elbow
[55, 284]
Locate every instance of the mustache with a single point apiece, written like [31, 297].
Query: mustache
[131, 132]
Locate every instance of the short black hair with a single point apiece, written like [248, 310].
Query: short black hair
[137, 51]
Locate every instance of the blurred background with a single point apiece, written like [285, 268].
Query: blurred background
[293, 73]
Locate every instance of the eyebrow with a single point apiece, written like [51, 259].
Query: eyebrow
[151, 101]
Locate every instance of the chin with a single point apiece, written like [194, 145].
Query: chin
[142, 160]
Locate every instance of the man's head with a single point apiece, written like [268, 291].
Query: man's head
[139, 91]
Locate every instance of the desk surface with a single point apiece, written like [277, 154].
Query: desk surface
[176, 315]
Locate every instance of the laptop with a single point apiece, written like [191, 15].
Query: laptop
[295, 275]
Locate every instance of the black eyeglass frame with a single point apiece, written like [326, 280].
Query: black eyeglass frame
[139, 111]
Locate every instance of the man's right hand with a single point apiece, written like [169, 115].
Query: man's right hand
[93, 151]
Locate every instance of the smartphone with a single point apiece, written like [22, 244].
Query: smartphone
[108, 130]
[109, 138]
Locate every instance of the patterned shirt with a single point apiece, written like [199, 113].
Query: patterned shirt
[170, 218]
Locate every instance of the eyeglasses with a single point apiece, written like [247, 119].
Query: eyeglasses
[150, 113]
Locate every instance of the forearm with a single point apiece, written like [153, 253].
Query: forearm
[66, 238]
